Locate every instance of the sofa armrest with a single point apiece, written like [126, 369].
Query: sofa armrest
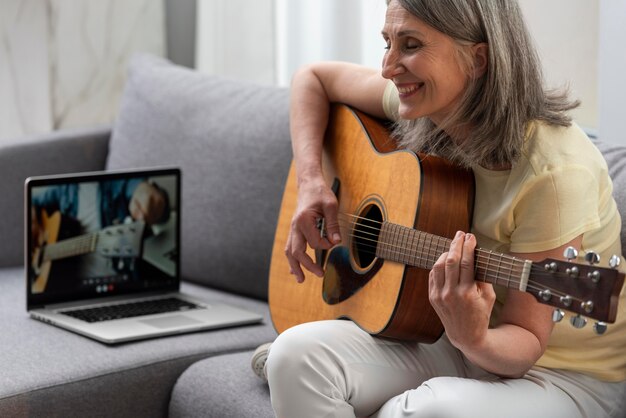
[54, 153]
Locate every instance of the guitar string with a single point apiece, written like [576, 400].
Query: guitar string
[510, 260]
[493, 274]
[489, 272]
[513, 267]
[431, 254]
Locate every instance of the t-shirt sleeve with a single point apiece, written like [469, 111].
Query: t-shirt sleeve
[391, 101]
[555, 207]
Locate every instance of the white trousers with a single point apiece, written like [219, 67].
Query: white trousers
[335, 369]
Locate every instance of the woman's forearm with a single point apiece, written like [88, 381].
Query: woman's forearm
[507, 350]
[309, 107]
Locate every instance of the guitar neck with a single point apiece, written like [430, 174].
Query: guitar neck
[420, 249]
[71, 247]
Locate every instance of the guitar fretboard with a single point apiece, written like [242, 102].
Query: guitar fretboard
[420, 249]
[71, 247]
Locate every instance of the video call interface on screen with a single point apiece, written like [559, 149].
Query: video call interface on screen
[103, 237]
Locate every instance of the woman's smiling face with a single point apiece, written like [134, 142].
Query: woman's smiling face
[424, 65]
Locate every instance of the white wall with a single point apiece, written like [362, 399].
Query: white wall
[63, 62]
[235, 38]
[265, 41]
[566, 36]
[24, 81]
[321, 30]
[612, 71]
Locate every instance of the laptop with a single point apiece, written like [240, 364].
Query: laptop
[102, 257]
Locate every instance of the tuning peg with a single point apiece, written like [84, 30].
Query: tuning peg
[578, 321]
[557, 315]
[594, 276]
[600, 327]
[570, 253]
[566, 300]
[615, 261]
[592, 257]
[545, 295]
[551, 267]
[587, 306]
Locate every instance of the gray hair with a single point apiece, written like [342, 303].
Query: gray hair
[497, 106]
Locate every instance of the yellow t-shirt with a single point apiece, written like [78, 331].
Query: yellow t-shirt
[558, 190]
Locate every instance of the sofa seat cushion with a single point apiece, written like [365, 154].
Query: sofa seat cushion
[231, 140]
[221, 386]
[45, 368]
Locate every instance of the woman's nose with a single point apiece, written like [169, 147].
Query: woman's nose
[391, 65]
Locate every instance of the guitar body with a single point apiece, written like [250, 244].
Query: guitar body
[374, 182]
[54, 228]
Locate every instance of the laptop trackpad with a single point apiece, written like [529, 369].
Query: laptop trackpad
[171, 321]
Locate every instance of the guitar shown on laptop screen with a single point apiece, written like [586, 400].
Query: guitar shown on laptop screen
[102, 237]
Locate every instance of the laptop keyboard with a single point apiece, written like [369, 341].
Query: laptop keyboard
[131, 309]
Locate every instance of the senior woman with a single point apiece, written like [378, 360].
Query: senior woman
[463, 81]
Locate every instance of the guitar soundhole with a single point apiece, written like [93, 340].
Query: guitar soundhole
[366, 233]
[349, 269]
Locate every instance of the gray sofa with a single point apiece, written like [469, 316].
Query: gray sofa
[231, 140]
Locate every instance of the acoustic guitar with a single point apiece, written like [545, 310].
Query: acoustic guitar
[398, 212]
[121, 242]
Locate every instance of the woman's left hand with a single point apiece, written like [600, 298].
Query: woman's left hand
[463, 304]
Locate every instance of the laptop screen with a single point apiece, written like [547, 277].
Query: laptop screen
[102, 234]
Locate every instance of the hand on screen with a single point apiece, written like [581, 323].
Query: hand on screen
[148, 203]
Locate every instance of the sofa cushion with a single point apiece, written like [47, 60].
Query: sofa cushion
[221, 386]
[231, 140]
[47, 371]
[615, 156]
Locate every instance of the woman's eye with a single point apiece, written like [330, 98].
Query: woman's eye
[412, 45]
[405, 46]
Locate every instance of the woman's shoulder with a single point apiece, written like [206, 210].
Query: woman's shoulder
[550, 147]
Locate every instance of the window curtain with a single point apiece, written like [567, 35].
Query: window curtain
[265, 41]
[63, 62]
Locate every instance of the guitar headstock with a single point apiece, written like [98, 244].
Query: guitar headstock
[122, 240]
[587, 290]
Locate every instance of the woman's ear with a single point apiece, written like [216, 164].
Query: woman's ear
[480, 54]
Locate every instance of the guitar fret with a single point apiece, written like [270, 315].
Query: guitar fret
[497, 268]
[403, 243]
[408, 252]
[508, 280]
[394, 237]
[442, 247]
[380, 245]
[430, 239]
[495, 281]
[420, 244]
[396, 240]
[414, 247]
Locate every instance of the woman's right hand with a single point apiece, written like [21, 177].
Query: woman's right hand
[313, 88]
[315, 201]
